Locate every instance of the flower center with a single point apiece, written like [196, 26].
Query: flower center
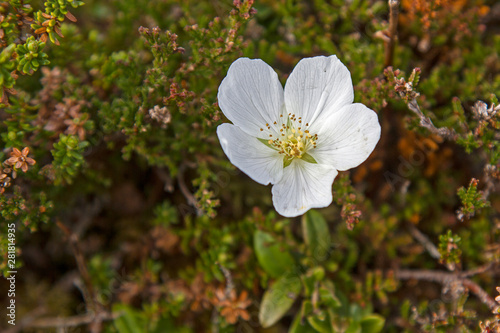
[293, 141]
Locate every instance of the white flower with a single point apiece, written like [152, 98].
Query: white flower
[297, 138]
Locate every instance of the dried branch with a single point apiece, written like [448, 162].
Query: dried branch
[445, 278]
[185, 191]
[94, 308]
[480, 293]
[79, 320]
[82, 266]
[491, 267]
[425, 241]
[426, 122]
[229, 279]
[392, 32]
[63, 322]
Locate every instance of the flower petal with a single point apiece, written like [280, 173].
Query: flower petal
[15, 152]
[317, 85]
[11, 160]
[259, 162]
[251, 96]
[302, 187]
[347, 137]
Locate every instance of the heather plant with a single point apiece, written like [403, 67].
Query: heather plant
[124, 208]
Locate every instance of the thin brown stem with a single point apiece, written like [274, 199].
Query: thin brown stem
[82, 266]
[491, 268]
[445, 278]
[185, 191]
[392, 32]
[94, 308]
[425, 241]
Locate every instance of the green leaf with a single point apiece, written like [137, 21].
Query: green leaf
[26, 68]
[316, 235]
[354, 327]
[372, 323]
[327, 296]
[270, 255]
[287, 161]
[299, 327]
[308, 158]
[278, 299]
[321, 324]
[309, 282]
[306, 308]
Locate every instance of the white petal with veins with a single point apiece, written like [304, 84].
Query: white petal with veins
[251, 156]
[302, 187]
[251, 96]
[316, 87]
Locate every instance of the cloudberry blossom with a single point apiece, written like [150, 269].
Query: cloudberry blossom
[299, 137]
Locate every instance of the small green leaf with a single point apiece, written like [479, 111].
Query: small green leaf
[372, 323]
[270, 255]
[287, 161]
[316, 235]
[308, 158]
[26, 68]
[278, 299]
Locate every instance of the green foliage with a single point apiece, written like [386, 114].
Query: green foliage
[449, 250]
[48, 22]
[278, 299]
[31, 56]
[166, 214]
[316, 235]
[26, 213]
[131, 321]
[68, 159]
[59, 8]
[333, 313]
[472, 200]
[6, 66]
[273, 258]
